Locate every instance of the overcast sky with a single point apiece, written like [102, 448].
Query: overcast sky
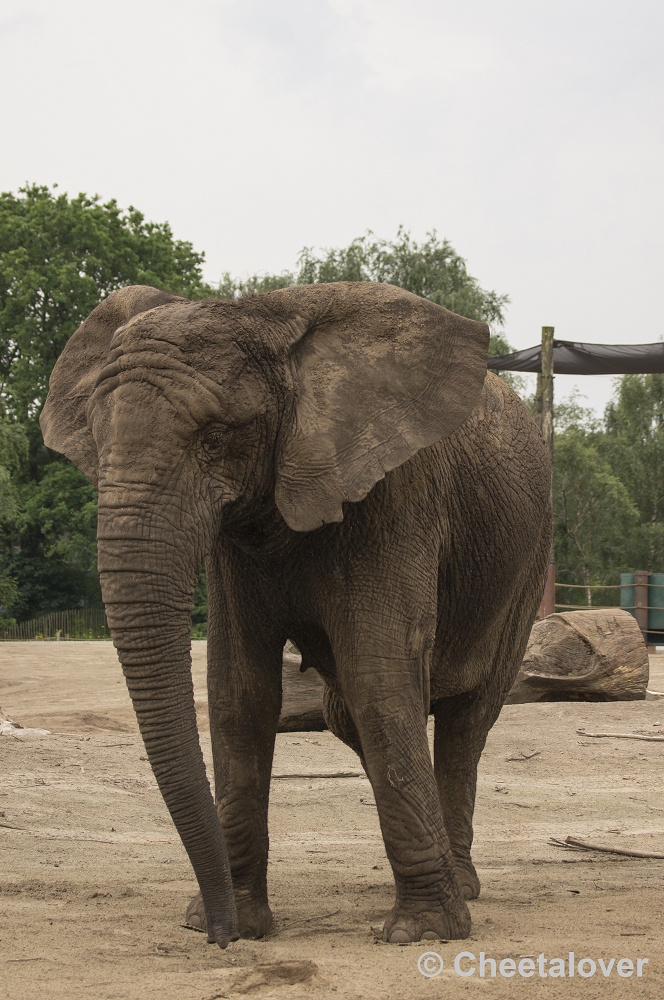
[527, 132]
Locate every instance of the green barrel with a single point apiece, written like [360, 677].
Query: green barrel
[655, 603]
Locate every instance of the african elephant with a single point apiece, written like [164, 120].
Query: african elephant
[355, 482]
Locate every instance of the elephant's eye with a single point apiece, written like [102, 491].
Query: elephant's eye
[213, 440]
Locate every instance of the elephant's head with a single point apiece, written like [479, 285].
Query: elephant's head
[190, 416]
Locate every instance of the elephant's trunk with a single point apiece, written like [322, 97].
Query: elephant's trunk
[147, 586]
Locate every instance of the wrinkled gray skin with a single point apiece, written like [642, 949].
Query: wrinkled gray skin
[355, 482]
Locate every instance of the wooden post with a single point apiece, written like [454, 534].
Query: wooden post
[641, 602]
[544, 417]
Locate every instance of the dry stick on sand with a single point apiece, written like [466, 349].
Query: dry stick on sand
[306, 920]
[97, 840]
[329, 774]
[584, 845]
[623, 736]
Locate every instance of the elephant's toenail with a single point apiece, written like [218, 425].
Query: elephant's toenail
[194, 921]
[399, 937]
[429, 936]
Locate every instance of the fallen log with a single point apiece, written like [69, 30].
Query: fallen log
[302, 699]
[594, 655]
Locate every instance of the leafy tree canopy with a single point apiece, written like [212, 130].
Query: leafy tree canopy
[432, 269]
[594, 516]
[634, 446]
[58, 258]
[13, 451]
[609, 488]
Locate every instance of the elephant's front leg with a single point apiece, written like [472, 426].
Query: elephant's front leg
[244, 703]
[244, 697]
[387, 698]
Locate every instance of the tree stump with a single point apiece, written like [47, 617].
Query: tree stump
[594, 655]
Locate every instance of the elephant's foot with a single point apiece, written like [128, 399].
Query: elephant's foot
[195, 918]
[469, 883]
[254, 919]
[425, 920]
[195, 914]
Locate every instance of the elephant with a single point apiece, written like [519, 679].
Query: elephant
[354, 481]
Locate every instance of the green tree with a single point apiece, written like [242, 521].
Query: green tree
[633, 445]
[609, 488]
[8, 512]
[13, 450]
[595, 520]
[52, 550]
[233, 288]
[432, 269]
[59, 257]
[199, 612]
[593, 516]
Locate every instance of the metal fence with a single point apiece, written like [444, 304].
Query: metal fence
[641, 593]
[584, 596]
[80, 623]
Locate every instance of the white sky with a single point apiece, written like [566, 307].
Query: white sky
[527, 132]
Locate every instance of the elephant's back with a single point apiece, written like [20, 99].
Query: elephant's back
[501, 423]
[500, 446]
[494, 478]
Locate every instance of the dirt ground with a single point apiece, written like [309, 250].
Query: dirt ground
[94, 880]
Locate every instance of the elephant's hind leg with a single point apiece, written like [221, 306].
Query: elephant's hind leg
[390, 720]
[461, 727]
[340, 721]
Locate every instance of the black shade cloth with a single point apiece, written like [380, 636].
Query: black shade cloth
[570, 358]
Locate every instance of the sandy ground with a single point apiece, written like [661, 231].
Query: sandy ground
[95, 882]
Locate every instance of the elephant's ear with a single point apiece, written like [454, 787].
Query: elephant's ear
[63, 419]
[380, 373]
